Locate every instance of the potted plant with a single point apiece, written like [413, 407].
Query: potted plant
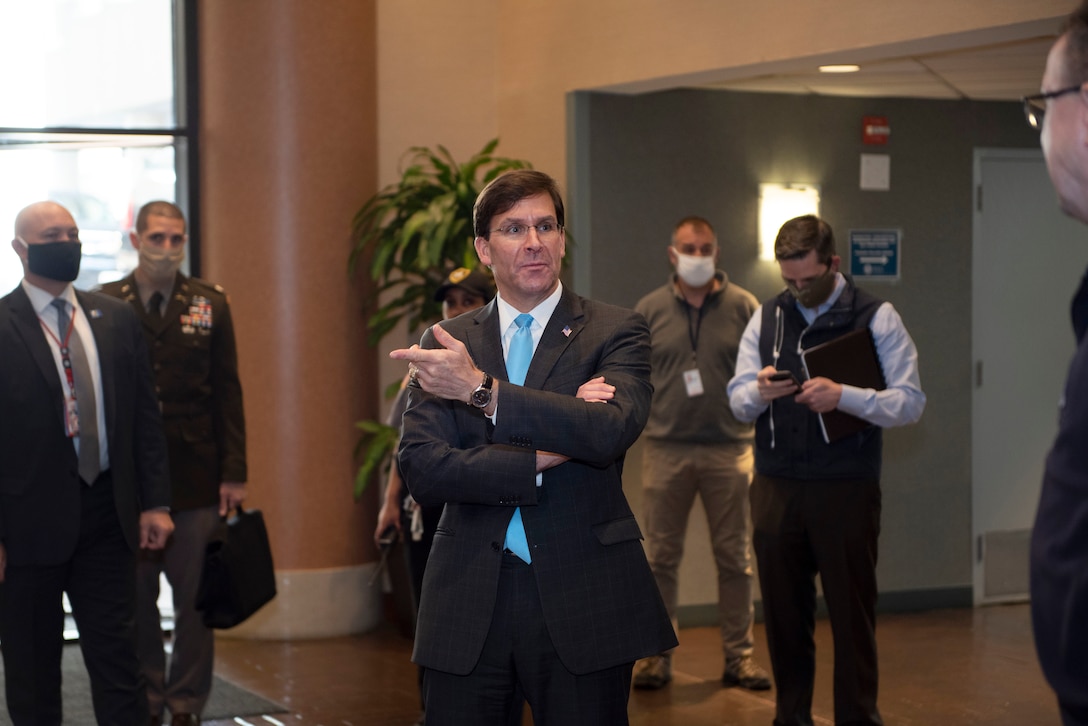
[409, 235]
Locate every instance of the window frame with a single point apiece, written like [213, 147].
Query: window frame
[185, 132]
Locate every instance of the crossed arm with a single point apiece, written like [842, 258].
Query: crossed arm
[595, 390]
[449, 372]
[450, 453]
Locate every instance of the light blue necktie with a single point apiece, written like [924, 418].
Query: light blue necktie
[517, 365]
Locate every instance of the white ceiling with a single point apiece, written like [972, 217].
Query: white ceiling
[999, 72]
[1002, 63]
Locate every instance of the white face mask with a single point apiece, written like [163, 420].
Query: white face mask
[693, 270]
[161, 264]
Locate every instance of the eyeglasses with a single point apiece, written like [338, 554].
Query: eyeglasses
[1035, 106]
[545, 231]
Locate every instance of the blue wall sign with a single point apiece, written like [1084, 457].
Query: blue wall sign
[874, 253]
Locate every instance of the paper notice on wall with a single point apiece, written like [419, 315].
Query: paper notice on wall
[876, 172]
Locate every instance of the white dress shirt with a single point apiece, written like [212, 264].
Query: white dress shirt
[47, 314]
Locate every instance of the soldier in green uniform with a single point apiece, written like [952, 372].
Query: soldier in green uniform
[191, 338]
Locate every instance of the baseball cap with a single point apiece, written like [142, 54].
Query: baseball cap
[477, 281]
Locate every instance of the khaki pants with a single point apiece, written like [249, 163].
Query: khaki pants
[672, 474]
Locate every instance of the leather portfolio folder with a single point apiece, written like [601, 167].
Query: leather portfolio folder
[849, 359]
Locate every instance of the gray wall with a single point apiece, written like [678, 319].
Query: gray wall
[639, 163]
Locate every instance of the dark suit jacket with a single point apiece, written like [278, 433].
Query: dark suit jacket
[39, 478]
[1059, 539]
[195, 365]
[599, 599]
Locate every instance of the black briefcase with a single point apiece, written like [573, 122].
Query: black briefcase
[238, 577]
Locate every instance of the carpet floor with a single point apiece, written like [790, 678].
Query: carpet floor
[227, 700]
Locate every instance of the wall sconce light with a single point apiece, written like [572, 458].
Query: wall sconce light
[779, 203]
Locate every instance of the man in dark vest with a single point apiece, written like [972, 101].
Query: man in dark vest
[188, 328]
[816, 498]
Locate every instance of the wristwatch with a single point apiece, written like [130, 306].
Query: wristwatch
[481, 397]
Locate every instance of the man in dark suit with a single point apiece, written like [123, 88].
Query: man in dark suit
[190, 333]
[537, 576]
[82, 478]
[1059, 540]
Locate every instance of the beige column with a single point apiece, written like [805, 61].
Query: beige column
[288, 154]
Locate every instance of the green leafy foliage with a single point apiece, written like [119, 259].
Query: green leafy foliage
[375, 444]
[417, 229]
[413, 232]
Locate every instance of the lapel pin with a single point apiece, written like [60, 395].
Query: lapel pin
[566, 331]
[96, 313]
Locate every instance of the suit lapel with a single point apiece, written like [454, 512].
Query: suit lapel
[176, 305]
[484, 341]
[29, 328]
[105, 345]
[563, 327]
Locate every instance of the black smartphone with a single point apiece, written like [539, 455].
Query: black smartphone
[783, 376]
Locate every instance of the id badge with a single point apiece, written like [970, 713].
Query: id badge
[693, 382]
[71, 416]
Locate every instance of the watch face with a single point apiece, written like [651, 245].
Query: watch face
[481, 397]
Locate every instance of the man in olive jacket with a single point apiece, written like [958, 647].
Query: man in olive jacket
[187, 324]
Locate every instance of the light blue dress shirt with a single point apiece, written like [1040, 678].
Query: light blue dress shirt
[900, 403]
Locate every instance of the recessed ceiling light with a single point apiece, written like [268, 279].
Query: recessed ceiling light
[840, 68]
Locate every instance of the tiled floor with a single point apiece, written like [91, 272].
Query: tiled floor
[940, 668]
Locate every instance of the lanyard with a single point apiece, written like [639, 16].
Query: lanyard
[694, 323]
[65, 358]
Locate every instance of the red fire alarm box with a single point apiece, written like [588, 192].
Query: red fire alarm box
[875, 130]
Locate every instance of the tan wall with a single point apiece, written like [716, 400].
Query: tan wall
[437, 69]
[505, 67]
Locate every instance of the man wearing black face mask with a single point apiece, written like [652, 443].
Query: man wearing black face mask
[188, 327]
[82, 477]
[816, 500]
